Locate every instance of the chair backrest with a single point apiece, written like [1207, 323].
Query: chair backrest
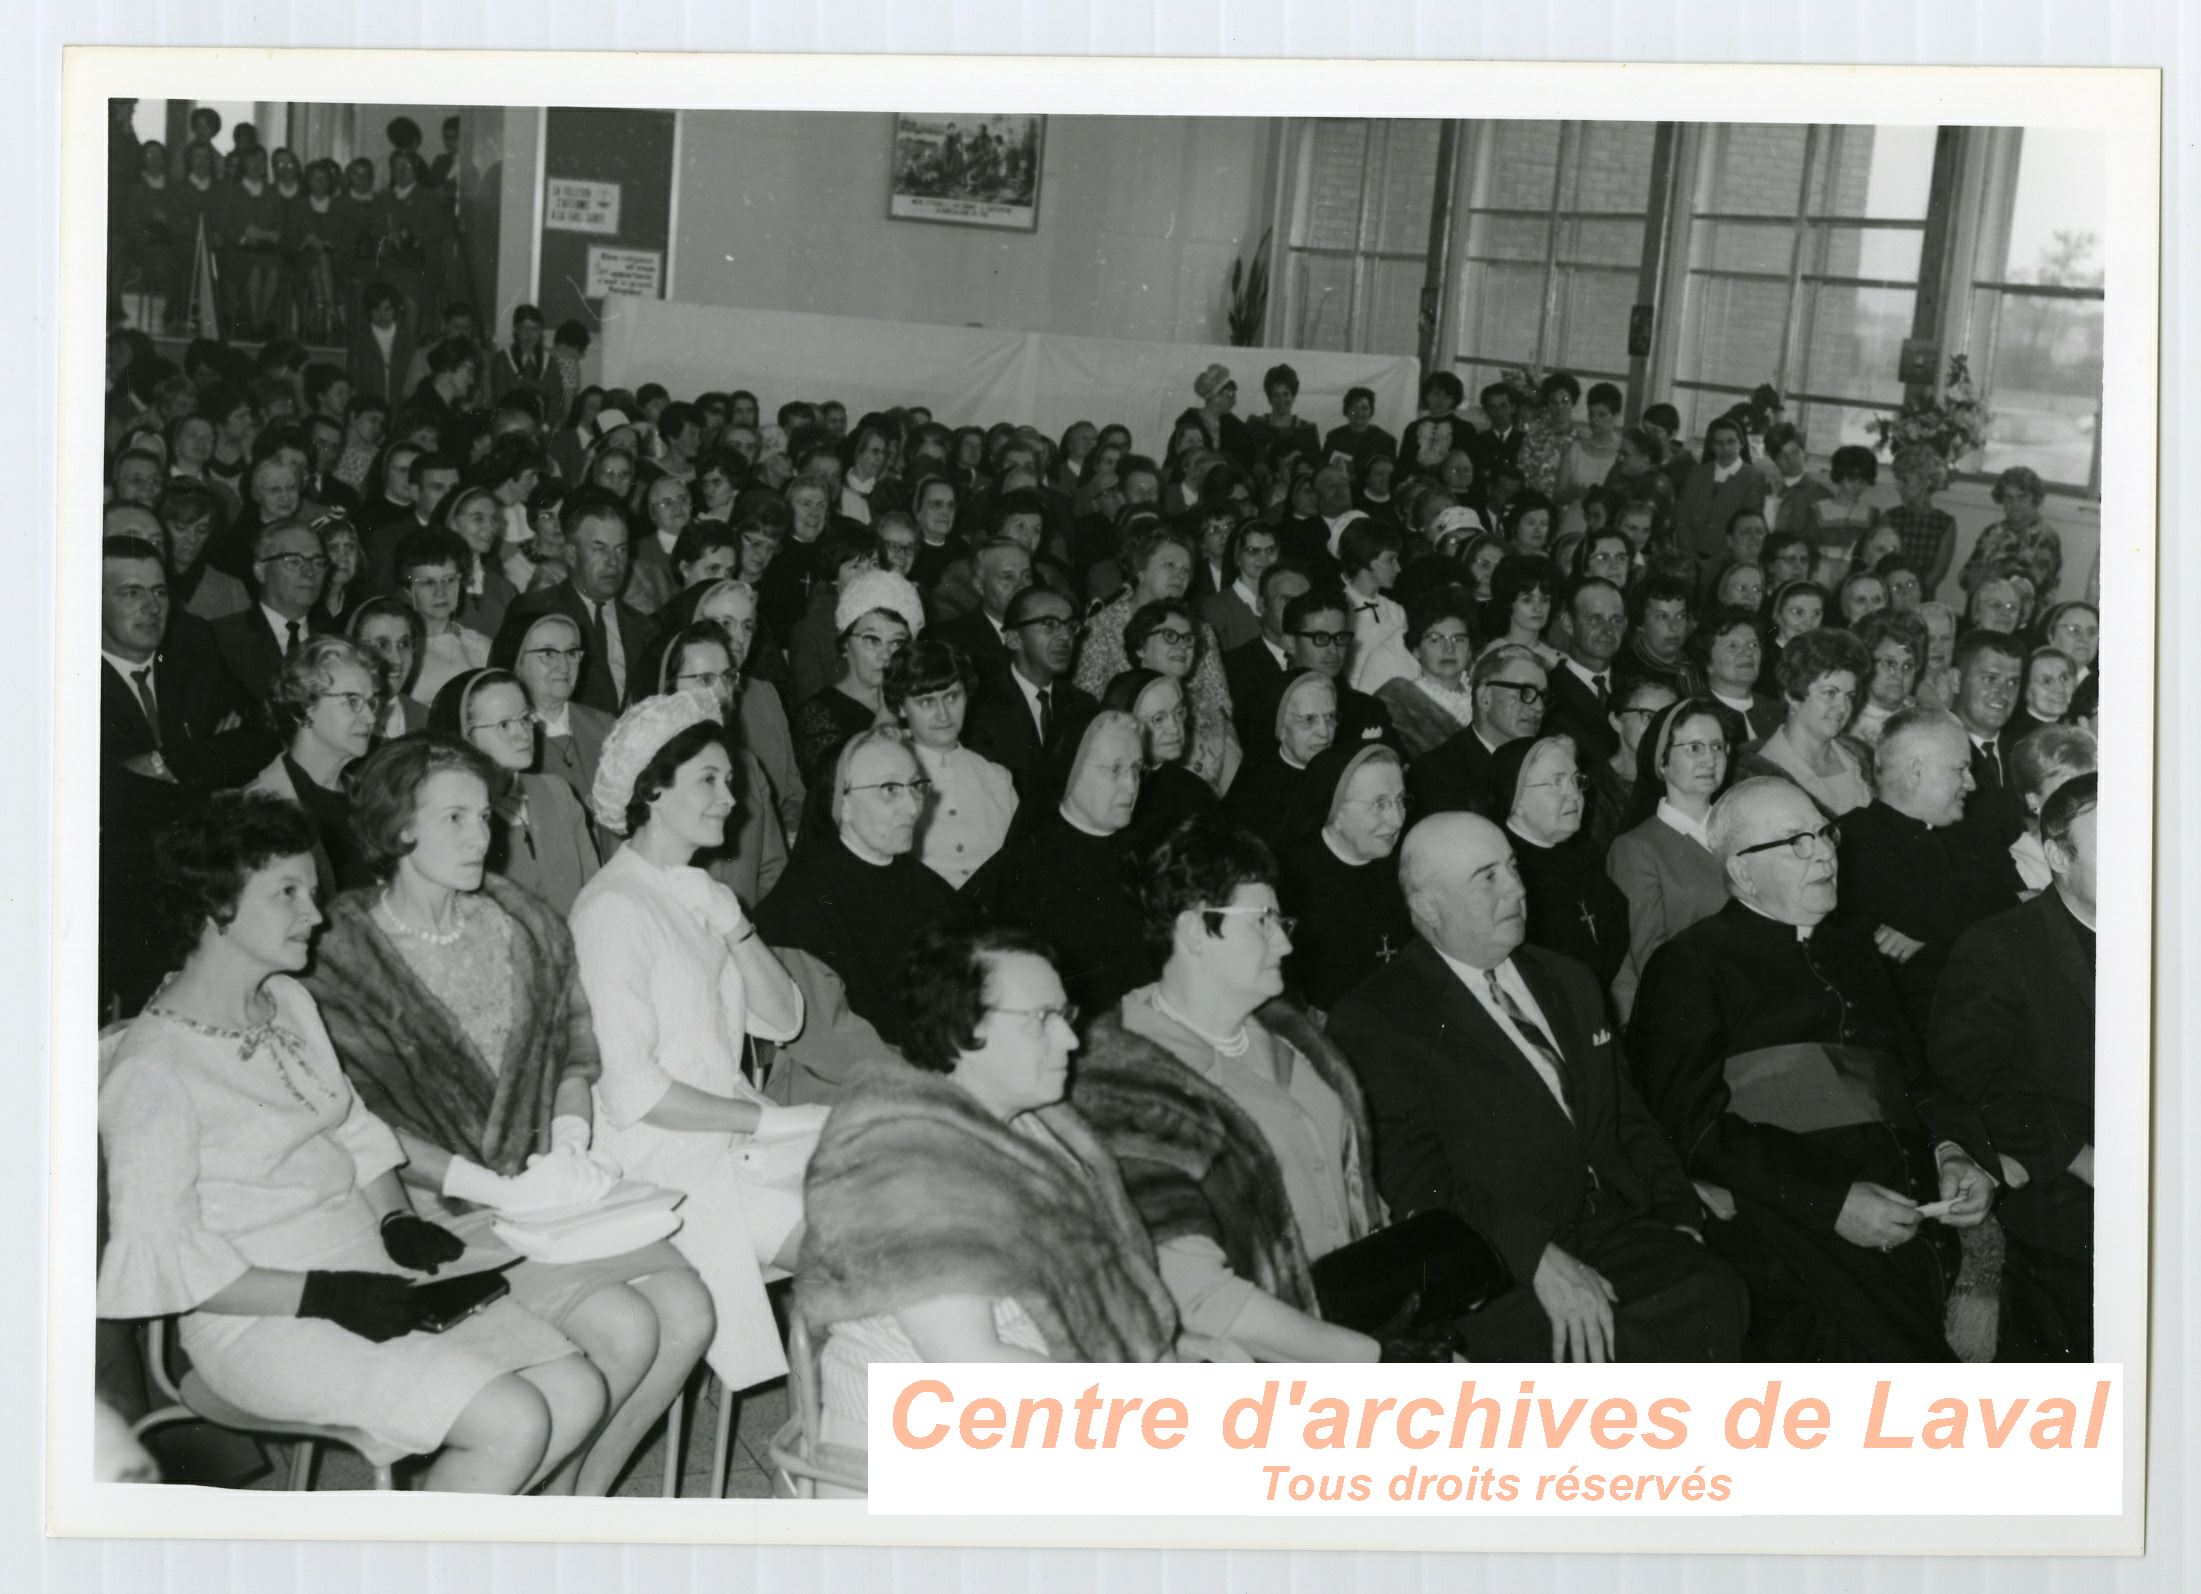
[805, 1394]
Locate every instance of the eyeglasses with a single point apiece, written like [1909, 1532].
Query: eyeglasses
[711, 678]
[1529, 692]
[1268, 918]
[298, 564]
[895, 790]
[1397, 806]
[1049, 624]
[1574, 782]
[557, 655]
[503, 727]
[1801, 843]
[1172, 636]
[1693, 749]
[433, 583]
[1067, 1012]
[354, 702]
[1325, 639]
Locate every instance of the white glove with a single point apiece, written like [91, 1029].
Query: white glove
[789, 1123]
[470, 1181]
[565, 1177]
[569, 1129]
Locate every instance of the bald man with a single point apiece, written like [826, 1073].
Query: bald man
[1900, 877]
[1498, 1092]
[1770, 1043]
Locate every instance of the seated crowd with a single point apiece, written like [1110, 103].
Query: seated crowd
[1512, 891]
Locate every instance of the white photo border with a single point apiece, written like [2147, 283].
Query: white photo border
[2124, 104]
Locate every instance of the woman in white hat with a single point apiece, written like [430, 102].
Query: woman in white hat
[677, 981]
[877, 615]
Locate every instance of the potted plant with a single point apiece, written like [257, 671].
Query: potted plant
[1953, 423]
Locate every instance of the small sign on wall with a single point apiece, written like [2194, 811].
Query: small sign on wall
[572, 205]
[625, 273]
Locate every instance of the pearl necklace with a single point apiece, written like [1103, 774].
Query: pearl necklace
[432, 937]
[1234, 1046]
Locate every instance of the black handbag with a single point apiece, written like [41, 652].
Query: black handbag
[1418, 1276]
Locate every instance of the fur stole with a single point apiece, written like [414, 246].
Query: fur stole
[411, 1060]
[1195, 1162]
[916, 1191]
[1421, 722]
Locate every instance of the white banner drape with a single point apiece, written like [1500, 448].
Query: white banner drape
[971, 375]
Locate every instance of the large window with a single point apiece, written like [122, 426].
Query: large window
[1357, 249]
[1555, 219]
[2036, 315]
[1803, 255]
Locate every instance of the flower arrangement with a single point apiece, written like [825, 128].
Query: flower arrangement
[1952, 424]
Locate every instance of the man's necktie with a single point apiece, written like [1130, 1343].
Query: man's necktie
[1046, 716]
[1532, 1033]
[1994, 761]
[290, 650]
[599, 645]
[1604, 692]
[143, 678]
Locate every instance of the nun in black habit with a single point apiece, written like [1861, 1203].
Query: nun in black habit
[1339, 873]
[1573, 906]
[1274, 784]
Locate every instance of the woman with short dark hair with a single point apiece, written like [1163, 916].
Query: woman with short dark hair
[252, 1191]
[677, 981]
[324, 709]
[967, 814]
[1434, 704]
[1822, 676]
[960, 1210]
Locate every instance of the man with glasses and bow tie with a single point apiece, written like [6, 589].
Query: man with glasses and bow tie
[857, 899]
[1511, 692]
[289, 569]
[1771, 1045]
[1498, 1093]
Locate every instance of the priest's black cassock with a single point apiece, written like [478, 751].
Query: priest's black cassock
[859, 918]
[1783, 1071]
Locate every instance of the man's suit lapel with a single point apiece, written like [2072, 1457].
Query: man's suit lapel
[1470, 1031]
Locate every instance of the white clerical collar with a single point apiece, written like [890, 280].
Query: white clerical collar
[1803, 931]
[1674, 819]
[1722, 473]
[863, 849]
[1329, 840]
[1077, 824]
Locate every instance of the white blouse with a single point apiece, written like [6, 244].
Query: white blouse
[967, 817]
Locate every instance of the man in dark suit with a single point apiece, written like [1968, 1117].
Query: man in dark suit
[1255, 671]
[1582, 688]
[288, 572]
[1024, 714]
[1317, 636]
[595, 526]
[432, 477]
[1990, 667]
[2013, 1034]
[1003, 570]
[1510, 690]
[1498, 447]
[1898, 880]
[1498, 1093]
[170, 729]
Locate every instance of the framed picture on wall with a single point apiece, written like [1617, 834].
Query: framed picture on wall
[975, 171]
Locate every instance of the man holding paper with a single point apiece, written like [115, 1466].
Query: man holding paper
[1769, 1042]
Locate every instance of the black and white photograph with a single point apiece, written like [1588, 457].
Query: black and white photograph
[1389, 739]
[981, 171]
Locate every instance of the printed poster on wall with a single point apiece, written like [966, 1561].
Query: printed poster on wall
[626, 273]
[572, 204]
[976, 171]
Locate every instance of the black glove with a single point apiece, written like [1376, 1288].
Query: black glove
[375, 1306]
[1415, 1350]
[414, 1242]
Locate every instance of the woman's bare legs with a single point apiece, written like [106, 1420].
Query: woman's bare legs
[685, 1322]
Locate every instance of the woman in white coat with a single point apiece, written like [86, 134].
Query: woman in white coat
[677, 981]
